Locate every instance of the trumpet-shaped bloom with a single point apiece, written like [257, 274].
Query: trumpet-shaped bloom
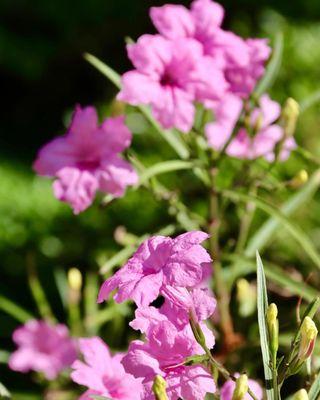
[159, 262]
[228, 389]
[264, 136]
[164, 354]
[170, 76]
[86, 159]
[42, 348]
[242, 60]
[104, 374]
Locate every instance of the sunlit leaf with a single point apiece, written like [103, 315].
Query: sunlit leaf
[262, 304]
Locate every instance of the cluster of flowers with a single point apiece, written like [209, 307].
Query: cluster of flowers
[175, 271]
[191, 60]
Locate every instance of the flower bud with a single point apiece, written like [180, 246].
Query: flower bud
[290, 114]
[75, 279]
[247, 297]
[301, 395]
[273, 327]
[196, 329]
[300, 179]
[241, 388]
[159, 388]
[309, 333]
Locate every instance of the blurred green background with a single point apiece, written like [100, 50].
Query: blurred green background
[43, 75]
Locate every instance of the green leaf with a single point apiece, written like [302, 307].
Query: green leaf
[309, 101]
[314, 392]
[295, 231]
[61, 281]
[172, 137]
[14, 310]
[4, 391]
[112, 75]
[266, 232]
[4, 356]
[163, 167]
[262, 305]
[243, 266]
[273, 67]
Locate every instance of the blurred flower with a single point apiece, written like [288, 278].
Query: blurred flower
[170, 76]
[159, 262]
[164, 354]
[103, 374]
[229, 387]
[258, 138]
[87, 159]
[42, 348]
[241, 60]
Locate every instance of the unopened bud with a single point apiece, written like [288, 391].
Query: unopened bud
[273, 327]
[75, 279]
[258, 123]
[301, 395]
[290, 114]
[300, 179]
[241, 388]
[159, 388]
[197, 331]
[247, 297]
[309, 334]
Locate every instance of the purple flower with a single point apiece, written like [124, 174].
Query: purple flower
[103, 374]
[42, 348]
[228, 389]
[164, 354]
[159, 262]
[86, 159]
[170, 76]
[264, 136]
[241, 60]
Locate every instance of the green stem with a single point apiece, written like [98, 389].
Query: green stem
[221, 289]
[246, 223]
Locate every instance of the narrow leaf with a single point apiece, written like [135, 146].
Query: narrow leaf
[163, 167]
[311, 100]
[295, 231]
[14, 310]
[243, 266]
[4, 356]
[262, 304]
[273, 67]
[112, 75]
[266, 233]
[314, 392]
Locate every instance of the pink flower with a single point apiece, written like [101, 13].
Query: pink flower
[159, 262]
[42, 348]
[170, 76]
[242, 60]
[103, 374]
[164, 354]
[86, 159]
[265, 135]
[228, 389]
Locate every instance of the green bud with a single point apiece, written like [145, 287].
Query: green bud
[197, 331]
[300, 179]
[290, 114]
[273, 328]
[159, 388]
[246, 297]
[301, 395]
[241, 388]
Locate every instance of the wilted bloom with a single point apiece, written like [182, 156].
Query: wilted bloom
[87, 159]
[170, 76]
[159, 262]
[229, 388]
[258, 138]
[42, 348]
[241, 60]
[104, 374]
[164, 354]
